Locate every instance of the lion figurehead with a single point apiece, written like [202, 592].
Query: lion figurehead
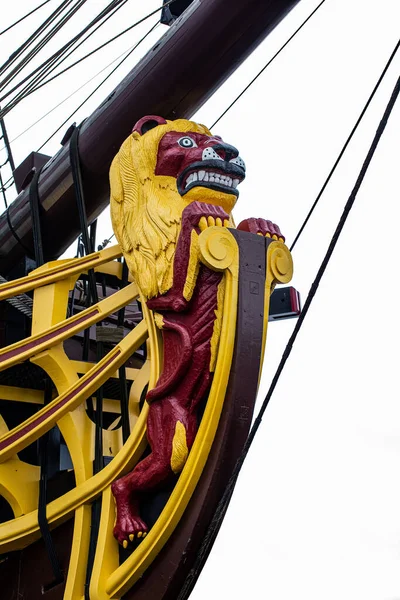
[159, 169]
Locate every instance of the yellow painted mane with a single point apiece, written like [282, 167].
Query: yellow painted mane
[146, 209]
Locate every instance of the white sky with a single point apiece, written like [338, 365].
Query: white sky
[316, 510]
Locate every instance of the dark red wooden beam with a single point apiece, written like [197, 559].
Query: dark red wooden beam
[175, 78]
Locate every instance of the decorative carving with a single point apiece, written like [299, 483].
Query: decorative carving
[171, 181]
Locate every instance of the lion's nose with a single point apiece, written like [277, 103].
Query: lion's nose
[220, 152]
[226, 151]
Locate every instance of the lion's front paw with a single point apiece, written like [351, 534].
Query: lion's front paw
[262, 227]
[202, 215]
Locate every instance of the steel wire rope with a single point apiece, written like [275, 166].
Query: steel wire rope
[153, 27]
[7, 108]
[345, 145]
[52, 60]
[10, 182]
[26, 59]
[70, 96]
[24, 17]
[51, 63]
[14, 55]
[10, 76]
[223, 504]
[267, 64]
[63, 53]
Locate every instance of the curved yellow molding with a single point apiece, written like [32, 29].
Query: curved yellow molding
[34, 427]
[62, 270]
[279, 269]
[60, 331]
[21, 532]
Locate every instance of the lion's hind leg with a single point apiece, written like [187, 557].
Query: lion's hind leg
[171, 431]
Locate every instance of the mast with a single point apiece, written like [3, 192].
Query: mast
[174, 79]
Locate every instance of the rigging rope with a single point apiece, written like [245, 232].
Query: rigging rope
[99, 85]
[62, 55]
[26, 59]
[267, 65]
[70, 96]
[224, 502]
[24, 17]
[15, 101]
[51, 63]
[14, 55]
[347, 142]
[35, 207]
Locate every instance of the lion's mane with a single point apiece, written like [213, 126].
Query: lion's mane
[146, 209]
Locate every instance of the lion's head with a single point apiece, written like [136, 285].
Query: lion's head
[159, 169]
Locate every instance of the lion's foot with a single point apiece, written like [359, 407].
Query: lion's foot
[129, 527]
[202, 215]
[262, 227]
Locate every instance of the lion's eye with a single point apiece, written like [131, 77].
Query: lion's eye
[187, 142]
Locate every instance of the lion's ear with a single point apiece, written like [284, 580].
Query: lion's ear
[146, 123]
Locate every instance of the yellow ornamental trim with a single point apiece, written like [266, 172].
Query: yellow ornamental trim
[179, 448]
[214, 343]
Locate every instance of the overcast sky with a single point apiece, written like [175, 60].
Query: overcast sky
[316, 510]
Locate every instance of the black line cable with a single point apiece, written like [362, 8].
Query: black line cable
[10, 179]
[11, 105]
[31, 39]
[3, 191]
[67, 98]
[25, 17]
[61, 56]
[347, 142]
[14, 55]
[124, 400]
[223, 504]
[42, 504]
[267, 65]
[35, 206]
[98, 86]
[36, 209]
[51, 63]
[42, 43]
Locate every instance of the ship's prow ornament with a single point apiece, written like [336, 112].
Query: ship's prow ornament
[204, 288]
[171, 181]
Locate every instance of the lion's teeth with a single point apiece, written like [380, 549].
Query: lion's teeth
[213, 178]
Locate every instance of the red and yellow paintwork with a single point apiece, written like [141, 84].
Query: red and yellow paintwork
[196, 267]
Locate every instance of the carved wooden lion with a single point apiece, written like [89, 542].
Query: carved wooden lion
[169, 181]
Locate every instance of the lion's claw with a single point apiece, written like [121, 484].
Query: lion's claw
[262, 227]
[209, 221]
[202, 215]
[127, 528]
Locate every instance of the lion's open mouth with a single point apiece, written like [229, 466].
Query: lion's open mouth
[213, 174]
